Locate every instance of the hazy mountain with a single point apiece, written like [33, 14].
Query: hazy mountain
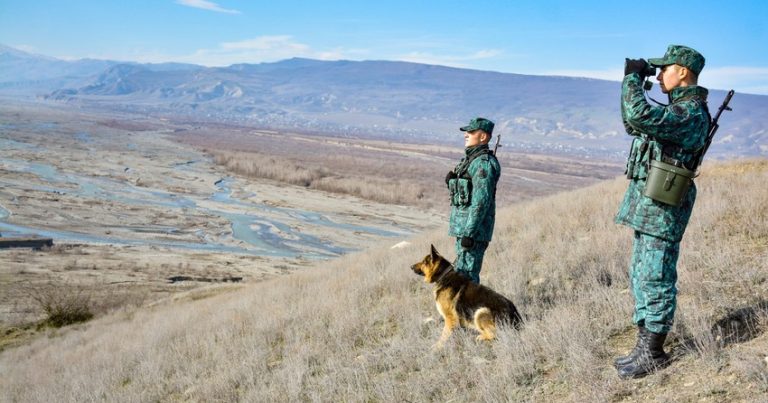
[385, 99]
[24, 72]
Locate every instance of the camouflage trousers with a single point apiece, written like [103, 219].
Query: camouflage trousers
[469, 261]
[653, 274]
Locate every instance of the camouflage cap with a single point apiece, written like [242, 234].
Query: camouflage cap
[479, 124]
[682, 55]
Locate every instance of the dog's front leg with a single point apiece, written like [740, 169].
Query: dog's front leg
[451, 321]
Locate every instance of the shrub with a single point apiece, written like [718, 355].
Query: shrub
[63, 305]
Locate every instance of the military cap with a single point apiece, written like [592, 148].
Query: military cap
[479, 124]
[682, 55]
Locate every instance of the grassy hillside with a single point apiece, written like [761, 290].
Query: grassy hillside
[361, 328]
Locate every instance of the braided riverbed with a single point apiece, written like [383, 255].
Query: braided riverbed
[83, 186]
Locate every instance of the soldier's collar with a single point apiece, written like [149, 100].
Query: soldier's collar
[691, 91]
[476, 149]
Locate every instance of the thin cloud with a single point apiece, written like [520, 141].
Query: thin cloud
[266, 48]
[206, 5]
[752, 80]
[26, 48]
[590, 35]
[267, 44]
[609, 74]
[448, 60]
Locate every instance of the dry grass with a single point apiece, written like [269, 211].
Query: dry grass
[388, 172]
[61, 283]
[361, 328]
[344, 178]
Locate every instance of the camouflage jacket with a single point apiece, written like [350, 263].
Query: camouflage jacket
[675, 131]
[473, 194]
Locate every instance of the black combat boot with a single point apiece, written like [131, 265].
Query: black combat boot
[626, 359]
[650, 358]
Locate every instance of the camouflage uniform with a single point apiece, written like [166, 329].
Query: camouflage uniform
[675, 131]
[473, 206]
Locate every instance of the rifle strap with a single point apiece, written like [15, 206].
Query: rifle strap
[463, 167]
[665, 147]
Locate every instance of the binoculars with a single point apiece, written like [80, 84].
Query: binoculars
[648, 71]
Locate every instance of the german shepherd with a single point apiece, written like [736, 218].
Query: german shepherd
[462, 302]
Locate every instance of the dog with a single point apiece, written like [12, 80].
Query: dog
[464, 303]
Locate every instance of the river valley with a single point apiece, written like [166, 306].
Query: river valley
[129, 208]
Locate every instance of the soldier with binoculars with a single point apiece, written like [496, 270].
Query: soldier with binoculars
[666, 138]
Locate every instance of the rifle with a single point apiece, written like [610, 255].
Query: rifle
[496, 147]
[713, 126]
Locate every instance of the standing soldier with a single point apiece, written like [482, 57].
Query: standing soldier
[665, 137]
[472, 187]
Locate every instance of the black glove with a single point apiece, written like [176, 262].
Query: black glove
[450, 175]
[467, 242]
[639, 66]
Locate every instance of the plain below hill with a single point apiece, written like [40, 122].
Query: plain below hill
[373, 99]
[361, 328]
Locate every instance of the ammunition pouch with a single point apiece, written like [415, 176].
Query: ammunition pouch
[460, 190]
[460, 185]
[636, 158]
[668, 183]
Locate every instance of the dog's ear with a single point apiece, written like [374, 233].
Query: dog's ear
[434, 251]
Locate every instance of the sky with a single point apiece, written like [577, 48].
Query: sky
[583, 38]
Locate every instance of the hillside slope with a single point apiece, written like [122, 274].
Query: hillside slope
[361, 328]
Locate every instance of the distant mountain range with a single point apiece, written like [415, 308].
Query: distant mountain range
[379, 99]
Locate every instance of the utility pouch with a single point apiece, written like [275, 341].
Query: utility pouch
[667, 183]
[452, 186]
[634, 167]
[461, 191]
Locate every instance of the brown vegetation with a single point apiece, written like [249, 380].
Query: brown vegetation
[387, 172]
[262, 166]
[361, 328]
[68, 283]
[63, 304]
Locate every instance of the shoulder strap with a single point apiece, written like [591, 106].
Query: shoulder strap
[465, 167]
[675, 148]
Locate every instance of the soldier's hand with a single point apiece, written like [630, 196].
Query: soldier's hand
[634, 66]
[450, 175]
[467, 242]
